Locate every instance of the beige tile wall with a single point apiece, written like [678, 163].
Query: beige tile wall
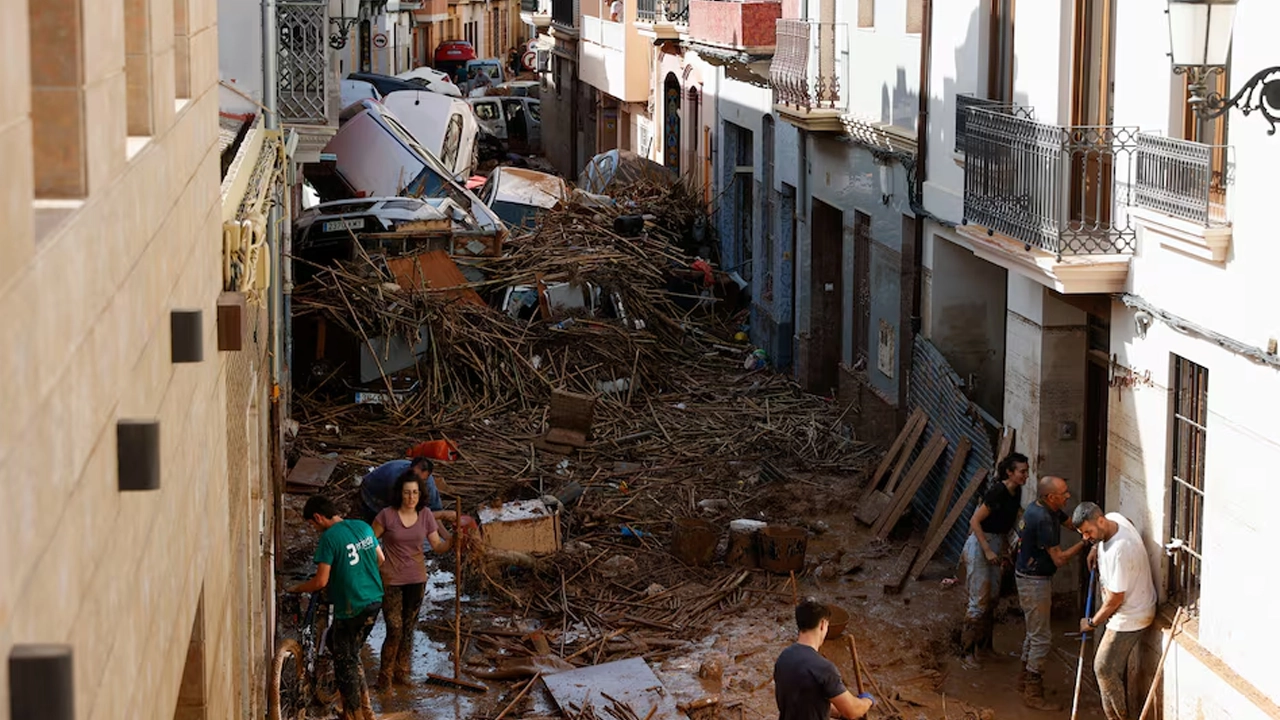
[84, 317]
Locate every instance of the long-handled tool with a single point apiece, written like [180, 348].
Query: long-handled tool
[1178, 619]
[1084, 637]
[457, 680]
[857, 666]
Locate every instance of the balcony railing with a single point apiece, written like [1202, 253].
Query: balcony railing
[528, 6]
[1061, 189]
[303, 56]
[562, 13]
[809, 64]
[605, 33]
[740, 24]
[966, 101]
[1182, 179]
[675, 12]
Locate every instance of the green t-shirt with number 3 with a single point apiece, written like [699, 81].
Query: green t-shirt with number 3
[350, 549]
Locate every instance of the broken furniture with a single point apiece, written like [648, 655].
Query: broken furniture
[569, 421]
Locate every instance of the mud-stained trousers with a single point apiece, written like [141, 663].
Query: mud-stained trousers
[400, 607]
[1110, 664]
[345, 641]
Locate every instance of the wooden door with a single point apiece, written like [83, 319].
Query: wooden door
[826, 249]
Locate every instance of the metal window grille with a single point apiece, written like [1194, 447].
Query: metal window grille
[302, 93]
[1189, 419]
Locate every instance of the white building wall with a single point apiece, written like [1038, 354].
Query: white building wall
[1230, 655]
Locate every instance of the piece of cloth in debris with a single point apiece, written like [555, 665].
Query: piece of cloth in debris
[982, 578]
[350, 550]
[375, 489]
[1035, 594]
[1039, 530]
[345, 640]
[1110, 665]
[804, 683]
[403, 546]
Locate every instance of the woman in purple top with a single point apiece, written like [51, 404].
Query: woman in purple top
[402, 528]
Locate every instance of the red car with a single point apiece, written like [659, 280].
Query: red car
[451, 57]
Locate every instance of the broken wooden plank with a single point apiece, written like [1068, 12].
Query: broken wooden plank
[872, 506]
[901, 568]
[948, 487]
[310, 475]
[1007, 437]
[907, 447]
[887, 461]
[919, 471]
[945, 528]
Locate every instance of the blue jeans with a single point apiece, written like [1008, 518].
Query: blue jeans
[1036, 597]
[982, 577]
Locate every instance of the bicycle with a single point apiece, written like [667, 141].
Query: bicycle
[302, 671]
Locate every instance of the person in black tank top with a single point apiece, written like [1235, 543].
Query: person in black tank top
[984, 554]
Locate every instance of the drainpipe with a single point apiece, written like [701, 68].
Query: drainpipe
[269, 79]
[915, 311]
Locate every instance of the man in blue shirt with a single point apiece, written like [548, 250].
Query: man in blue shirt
[1039, 557]
[376, 487]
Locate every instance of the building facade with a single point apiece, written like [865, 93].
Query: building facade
[136, 442]
[1095, 260]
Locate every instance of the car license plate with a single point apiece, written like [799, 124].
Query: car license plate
[336, 225]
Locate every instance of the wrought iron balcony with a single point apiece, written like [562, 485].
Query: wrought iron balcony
[1182, 179]
[965, 101]
[808, 72]
[1061, 189]
[528, 6]
[303, 56]
[563, 13]
[748, 26]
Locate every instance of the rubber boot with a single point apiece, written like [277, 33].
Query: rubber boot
[969, 635]
[1022, 679]
[986, 632]
[1033, 694]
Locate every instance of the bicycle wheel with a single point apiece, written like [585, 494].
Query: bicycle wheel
[287, 694]
[326, 685]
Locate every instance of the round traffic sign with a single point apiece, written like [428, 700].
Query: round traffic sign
[528, 60]
[380, 40]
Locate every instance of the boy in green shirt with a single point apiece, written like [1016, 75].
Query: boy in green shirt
[347, 559]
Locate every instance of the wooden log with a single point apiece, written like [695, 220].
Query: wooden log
[931, 547]
[948, 487]
[902, 498]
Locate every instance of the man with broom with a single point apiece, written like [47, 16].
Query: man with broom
[1129, 599]
[807, 686]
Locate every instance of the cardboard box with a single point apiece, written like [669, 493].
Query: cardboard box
[527, 526]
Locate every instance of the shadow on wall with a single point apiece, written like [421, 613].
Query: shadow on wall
[899, 105]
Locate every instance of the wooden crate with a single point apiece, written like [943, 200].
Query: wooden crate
[527, 526]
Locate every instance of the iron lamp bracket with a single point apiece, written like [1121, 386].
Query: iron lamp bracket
[1260, 93]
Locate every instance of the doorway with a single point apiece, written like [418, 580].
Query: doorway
[671, 122]
[1096, 403]
[826, 293]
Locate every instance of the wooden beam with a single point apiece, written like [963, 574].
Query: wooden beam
[919, 471]
[894, 449]
[910, 445]
[901, 569]
[948, 487]
[933, 544]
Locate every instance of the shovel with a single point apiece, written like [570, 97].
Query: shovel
[1084, 637]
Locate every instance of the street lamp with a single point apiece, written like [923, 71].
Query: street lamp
[1199, 39]
[344, 14]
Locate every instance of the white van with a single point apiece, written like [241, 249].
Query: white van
[517, 121]
[444, 125]
[376, 156]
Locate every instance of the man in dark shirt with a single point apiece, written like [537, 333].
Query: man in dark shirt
[375, 488]
[807, 685]
[988, 535]
[1039, 534]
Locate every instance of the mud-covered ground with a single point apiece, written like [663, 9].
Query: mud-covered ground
[907, 642]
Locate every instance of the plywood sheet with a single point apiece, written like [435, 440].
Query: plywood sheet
[628, 681]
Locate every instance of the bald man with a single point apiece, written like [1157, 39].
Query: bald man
[1039, 557]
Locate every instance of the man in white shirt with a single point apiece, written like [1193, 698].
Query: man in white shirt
[615, 11]
[1129, 598]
